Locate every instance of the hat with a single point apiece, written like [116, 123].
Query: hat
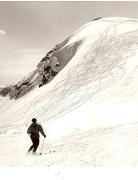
[34, 120]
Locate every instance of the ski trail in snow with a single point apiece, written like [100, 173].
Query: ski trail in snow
[97, 72]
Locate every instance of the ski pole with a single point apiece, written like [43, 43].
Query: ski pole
[42, 146]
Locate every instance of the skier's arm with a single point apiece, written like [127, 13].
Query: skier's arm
[41, 130]
[28, 130]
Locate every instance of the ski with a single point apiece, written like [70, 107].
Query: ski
[47, 153]
[40, 154]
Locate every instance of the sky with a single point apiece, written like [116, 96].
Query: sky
[29, 29]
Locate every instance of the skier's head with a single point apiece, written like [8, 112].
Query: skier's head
[34, 120]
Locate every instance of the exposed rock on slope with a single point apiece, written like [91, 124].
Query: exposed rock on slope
[50, 65]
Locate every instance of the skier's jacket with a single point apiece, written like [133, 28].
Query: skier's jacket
[34, 130]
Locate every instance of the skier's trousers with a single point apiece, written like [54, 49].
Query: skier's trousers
[35, 141]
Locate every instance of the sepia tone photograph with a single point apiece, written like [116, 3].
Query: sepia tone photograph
[68, 84]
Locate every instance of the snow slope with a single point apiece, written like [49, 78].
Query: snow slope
[89, 110]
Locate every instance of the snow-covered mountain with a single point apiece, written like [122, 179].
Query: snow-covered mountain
[91, 102]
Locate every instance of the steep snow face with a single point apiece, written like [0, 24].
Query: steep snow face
[107, 53]
[100, 70]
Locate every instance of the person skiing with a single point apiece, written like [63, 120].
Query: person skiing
[33, 130]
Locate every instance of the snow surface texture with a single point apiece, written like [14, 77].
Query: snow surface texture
[89, 110]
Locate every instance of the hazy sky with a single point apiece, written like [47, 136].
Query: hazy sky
[29, 29]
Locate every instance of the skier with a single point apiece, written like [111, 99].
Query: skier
[33, 131]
